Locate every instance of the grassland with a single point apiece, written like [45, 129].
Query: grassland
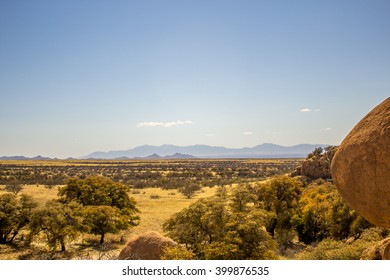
[156, 206]
[146, 173]
[153, 184]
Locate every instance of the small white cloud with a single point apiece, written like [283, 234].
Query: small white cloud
[326, 129]
[163, 124]
[247, 133]
[274, 132]
[151, 124]
[169, 124]
[306, 110]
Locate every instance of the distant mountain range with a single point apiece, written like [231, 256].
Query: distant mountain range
[266, 150]
[153, 156]
[25, 158]
[156, 156]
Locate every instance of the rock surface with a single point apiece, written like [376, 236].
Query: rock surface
[147, 246]
[361, 166]
[317, 164]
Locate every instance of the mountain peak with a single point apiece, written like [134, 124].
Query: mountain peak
[24, 158]
[266, 150]
[179, 156]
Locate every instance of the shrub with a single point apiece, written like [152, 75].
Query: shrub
[61, 223]
[189, 190]
[15, 214]
[214, 230]
[179, 252]
[14, 186]
[330, 249]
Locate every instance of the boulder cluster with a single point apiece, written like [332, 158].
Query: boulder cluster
[317, 164]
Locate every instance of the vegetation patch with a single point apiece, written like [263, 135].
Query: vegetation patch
[213, 209]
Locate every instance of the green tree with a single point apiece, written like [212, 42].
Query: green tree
[15, 214]
[342, 218]
[14, 186]
[244, 239]
[215, 228]
[242, 197]
[199, 224]
[221, 192]
[280, 197]
[310, 227]
[312, 220]
[60, 223]
[108, 207]
[106, 219]
[189, 190]
[96, 190]
[323, 214]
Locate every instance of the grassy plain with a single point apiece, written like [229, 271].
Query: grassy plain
[156, 204]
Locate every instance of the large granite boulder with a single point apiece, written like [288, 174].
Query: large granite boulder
[361, 166]
[147, 246]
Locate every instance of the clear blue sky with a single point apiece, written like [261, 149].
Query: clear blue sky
[82, 76]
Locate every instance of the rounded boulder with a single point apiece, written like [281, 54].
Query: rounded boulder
[361, 166]
[147, 246]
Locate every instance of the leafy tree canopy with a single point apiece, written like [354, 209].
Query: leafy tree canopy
[60, 223]
[107, 219]
[15, 214]
[217, 228]
[107, 205]
[97, 191]
[323, 214]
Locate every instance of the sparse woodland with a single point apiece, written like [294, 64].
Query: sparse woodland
[215, 209]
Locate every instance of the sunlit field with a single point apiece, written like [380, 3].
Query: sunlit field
[153, 184]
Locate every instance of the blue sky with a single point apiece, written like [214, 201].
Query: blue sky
[82, 76]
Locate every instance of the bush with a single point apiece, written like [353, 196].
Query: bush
[14, 187]
[189, 190]
[213, 229]
[179, 252]
[60, 223]
[330, 249]
[15, 214]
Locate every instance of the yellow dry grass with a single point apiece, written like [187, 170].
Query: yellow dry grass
[40, 193]
[156, 205]
[155, 211]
